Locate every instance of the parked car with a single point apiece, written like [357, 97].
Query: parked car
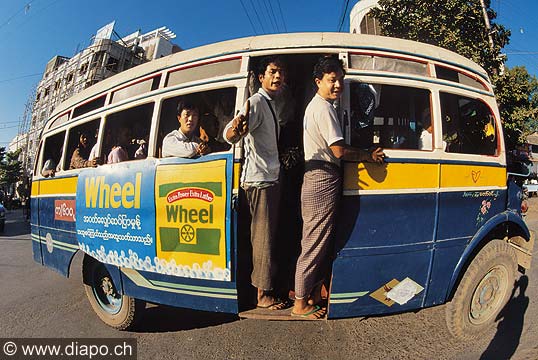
[2, 217]
[531, 186]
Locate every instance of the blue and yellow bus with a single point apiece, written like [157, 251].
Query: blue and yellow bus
[439, 222]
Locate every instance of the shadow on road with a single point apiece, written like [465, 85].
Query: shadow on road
[163, 318]
[506, 340]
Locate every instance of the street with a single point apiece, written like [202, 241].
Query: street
[37, 302]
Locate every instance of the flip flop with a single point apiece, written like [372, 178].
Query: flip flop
[277, 305]
[309, 314]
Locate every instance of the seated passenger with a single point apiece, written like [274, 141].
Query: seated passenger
[49, 168]
[183, 142]
[119, 150]
[79, 159]
[93, 152]
[142, 151]
[209, 130]
[426, 137]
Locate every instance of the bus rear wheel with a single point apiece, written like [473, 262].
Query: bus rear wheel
[483, 291]
[118, 311]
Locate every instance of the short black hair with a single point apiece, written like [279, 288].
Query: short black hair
[265, 61]
[326, 65]
[185, 104]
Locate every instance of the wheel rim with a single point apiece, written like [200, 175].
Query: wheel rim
[488, 295]
[105, 292]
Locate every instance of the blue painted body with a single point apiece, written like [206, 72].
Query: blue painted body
[429, 238]
[209, 295]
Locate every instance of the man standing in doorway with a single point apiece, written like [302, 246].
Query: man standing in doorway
[258, 125]
[324, 147]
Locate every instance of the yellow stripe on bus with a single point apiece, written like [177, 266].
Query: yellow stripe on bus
[35, 188]
[454, 175]
[237, 173]
[55, 186]
[360, 176]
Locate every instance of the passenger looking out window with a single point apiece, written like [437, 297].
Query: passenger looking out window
[209, 132]
[119, 149]
[184, 142]
[80, 157]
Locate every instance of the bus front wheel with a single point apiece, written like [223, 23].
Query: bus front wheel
[483, 291]
[116, 310]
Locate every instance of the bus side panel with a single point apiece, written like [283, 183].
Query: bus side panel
[34, 223]
[482, 196]
[198, 294]
[446, 257]
[390, 240]
[361, 284]
[167, 224]
[471, 194]
[462, 213]
[56, 212]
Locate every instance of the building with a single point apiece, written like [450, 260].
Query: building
[64, 77]
[360, 20]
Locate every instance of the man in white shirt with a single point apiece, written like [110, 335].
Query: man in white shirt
[183, 142]
[324, 147]
[258, 125]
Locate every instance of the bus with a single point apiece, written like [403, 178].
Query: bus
[438, 223]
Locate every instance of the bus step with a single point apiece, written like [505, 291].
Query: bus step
[278, 315]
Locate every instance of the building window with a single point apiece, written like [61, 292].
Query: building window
[112, 64]
[370, 25]
[83, 68]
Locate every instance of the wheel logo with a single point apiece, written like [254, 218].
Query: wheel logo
[187, 233]
[49, 242]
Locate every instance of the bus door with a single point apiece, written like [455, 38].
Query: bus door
[473, 182]
[386, 227]
[55, 210]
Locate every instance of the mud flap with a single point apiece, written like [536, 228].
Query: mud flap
[523, 249]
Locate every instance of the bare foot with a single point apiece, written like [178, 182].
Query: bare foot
[315, 296]
[303, 309]
[267, 301]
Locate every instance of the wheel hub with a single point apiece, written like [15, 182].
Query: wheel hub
[488, 295]
[106, 285]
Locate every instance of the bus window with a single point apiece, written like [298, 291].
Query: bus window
[126, 134]
[80, 141]
[393, 117]
[52, 154]
[215, 109]
[468, 125]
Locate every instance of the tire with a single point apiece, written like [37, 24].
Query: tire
[118, 311]
[483, 291]
[2, 226]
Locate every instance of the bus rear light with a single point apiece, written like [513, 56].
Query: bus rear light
[524, 206]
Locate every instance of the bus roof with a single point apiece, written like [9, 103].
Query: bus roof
[269, 43]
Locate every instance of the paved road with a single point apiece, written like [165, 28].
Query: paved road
[36, 302]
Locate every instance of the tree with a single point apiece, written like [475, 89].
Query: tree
[517, 95]
[10, 169]
[458, 25]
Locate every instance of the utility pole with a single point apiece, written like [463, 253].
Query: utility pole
[488, 25]
[488, 29]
